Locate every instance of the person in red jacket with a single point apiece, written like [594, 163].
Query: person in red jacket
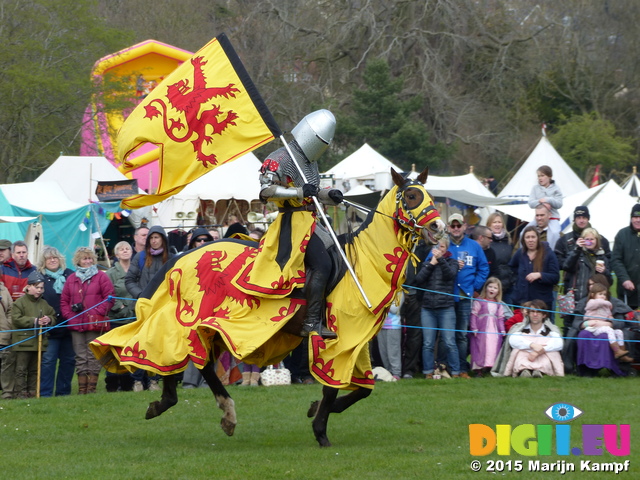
[85, 302]
[16, 270]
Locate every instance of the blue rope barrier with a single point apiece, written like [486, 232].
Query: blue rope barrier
[513, 306]
[63, 323]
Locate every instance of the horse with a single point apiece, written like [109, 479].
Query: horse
[193, 310]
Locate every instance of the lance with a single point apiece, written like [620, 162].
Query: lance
[325, 220]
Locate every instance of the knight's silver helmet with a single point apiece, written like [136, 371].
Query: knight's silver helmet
[314, 133]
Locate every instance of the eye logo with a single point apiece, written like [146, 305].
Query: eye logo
[562, 412]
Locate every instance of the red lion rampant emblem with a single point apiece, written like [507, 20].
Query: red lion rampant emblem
[201, 124]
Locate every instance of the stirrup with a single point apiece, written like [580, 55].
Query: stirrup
[324, 332]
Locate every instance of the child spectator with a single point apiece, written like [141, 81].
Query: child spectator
[548, 194]
[597, 320]
[30, 313]
[487, 324]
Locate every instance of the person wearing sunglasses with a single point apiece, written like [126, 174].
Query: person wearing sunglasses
[473, 271]
[199, 237]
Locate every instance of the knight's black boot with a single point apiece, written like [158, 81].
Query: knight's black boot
[316, 307]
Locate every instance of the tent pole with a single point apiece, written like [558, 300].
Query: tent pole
[104, 245]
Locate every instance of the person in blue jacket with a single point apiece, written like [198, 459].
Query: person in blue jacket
[472, 273]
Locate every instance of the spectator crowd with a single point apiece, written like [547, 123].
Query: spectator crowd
[477, 304]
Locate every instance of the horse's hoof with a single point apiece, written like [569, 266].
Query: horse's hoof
[227, 426]
[153, 410]
[313, 409]
[324, 442]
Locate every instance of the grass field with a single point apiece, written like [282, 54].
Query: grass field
[404, 430]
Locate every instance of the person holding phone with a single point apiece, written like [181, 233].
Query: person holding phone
[584, 260]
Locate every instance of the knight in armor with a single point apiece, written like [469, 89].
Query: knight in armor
[298, 242]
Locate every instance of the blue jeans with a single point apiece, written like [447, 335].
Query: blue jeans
[59, 354]
[444, 318]
[463, 313]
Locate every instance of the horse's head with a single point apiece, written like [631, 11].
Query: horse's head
[414, 208]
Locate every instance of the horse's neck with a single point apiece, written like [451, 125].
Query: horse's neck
[377, 239]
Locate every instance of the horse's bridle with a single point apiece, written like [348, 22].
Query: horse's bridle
[411, 223]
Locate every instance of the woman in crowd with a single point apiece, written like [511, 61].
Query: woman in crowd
[536, 270]
[437, 277]
[502, 248]
[534, 346]
[144, 266]
[59, 360]
[123, 310]
[586, 259]
[85, 303]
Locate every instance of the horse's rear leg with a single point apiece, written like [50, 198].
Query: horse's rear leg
[223, 399]
[169, 397]
[331, 403]
[322, 415]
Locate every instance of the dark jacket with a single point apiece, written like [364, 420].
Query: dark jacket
[579, 266]
[625, 262]
[421, 251]
[499, 266]
[53, 299]
[542, 288]
[140, 275]
[438, 278]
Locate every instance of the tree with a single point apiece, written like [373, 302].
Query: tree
[49, 47]
[588, 140]
[388, 121]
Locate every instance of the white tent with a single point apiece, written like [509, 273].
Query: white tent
[519, 187]
[465, 189]
[41, 197]
[609, 208]
[632, 186]
[78, 177]
[238, 179]
[366, 167]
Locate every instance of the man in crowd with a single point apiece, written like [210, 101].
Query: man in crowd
[482, 235]
[474, 270]
[542, 225]
[16, 270]
[625, 260]
[140, 238]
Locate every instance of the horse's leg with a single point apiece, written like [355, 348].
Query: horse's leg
[331, 403]
[169, 397]
[322, 415]
[340, 404]
[223, 399]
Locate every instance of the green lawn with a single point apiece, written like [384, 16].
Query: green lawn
[408, 429]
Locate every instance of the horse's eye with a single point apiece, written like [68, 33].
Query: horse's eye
[411, 196]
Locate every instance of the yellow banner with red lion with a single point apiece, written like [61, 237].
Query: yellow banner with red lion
[204, 114]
